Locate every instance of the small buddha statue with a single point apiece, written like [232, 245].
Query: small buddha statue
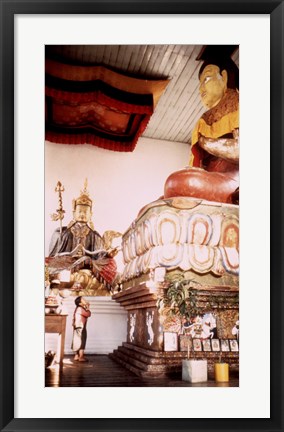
[78, 246]
[79, 237]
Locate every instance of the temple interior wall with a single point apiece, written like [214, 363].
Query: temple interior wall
[106, 328]
[120, 184]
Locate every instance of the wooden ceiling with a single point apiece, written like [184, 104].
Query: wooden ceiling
[179, 107]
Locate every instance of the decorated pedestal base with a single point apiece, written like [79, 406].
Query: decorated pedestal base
[144, 351]
[192, 237]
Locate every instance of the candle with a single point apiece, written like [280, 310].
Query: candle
[221, 372]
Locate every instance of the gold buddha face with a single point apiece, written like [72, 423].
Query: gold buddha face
[213, 85]
[82, 213]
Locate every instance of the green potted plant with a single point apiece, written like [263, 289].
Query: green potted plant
[179, 300]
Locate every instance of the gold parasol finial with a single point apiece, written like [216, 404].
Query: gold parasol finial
[59, 215]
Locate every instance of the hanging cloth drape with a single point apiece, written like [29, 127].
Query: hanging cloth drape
[95, 105]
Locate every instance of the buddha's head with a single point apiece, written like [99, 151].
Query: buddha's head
[213, 85]
[82, 213]
[215, 76]
[82, 206]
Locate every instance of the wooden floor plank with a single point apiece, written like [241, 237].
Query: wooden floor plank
[101, 371]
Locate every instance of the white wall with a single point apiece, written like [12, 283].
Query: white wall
[120, 184]
[106, 328]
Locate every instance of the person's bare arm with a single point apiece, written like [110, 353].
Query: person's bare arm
[225, 148]
[85, 311]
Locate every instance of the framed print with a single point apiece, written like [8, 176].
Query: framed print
[215, 343]
[234, 346]
[206, 344]
[197, 345]
[225, 345]
[185, 343]
[170, 341]
[26, 29]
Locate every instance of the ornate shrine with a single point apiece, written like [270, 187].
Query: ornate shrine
[200, 240]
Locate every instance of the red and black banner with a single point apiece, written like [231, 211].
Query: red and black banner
[95, 105]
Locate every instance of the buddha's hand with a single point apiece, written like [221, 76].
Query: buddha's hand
[236, 134]
[225, 148]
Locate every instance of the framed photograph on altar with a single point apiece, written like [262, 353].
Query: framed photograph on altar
[197, 344]
[225, 345]
[25, 402]
[170, 341]
[185, 343]
[215, 343]
[206, 344]
[234, 346]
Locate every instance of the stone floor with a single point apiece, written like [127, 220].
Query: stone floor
[101, 371]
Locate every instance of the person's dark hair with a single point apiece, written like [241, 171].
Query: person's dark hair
[78, 301]
[224, 64]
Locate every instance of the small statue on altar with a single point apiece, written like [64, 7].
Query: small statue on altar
[78, 246]
[79, 237]
[214, 167]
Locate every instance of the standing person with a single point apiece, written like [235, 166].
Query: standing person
[80, 318]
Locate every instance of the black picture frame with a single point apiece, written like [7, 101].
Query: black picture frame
[215, 343]
[197, 344]
[225, 347]
[170, 341]
[234, 345]
[206, 345]
[8, 9]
